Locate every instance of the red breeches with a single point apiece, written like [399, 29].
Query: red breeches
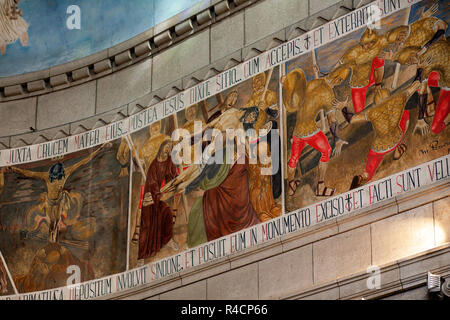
[442, 109]
[359, 94]
[318, 141]
[374, 159]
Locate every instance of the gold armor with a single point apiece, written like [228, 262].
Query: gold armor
[420, 32]
[360, 58]
[307, 99]
[385, 118]
[437, 53]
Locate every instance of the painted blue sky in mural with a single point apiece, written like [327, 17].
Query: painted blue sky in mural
[104, 23]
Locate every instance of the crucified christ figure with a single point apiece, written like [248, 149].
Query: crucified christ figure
[57, 199]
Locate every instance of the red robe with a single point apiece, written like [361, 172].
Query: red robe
[227, 208]
[156, 219]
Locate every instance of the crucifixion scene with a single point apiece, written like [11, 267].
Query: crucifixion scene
[62, 212]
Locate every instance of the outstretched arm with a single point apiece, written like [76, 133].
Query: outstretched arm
[86, 160]
[397, 35]
[349, 116]
[30, 174]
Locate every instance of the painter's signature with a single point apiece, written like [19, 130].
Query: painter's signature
[434, 146]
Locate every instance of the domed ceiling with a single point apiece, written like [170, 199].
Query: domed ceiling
[38, 34]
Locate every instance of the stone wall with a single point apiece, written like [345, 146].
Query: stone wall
[405, 237]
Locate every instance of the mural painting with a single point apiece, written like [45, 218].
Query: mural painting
[371, 104]
[366, 112]
[63, 212]
[188, 201]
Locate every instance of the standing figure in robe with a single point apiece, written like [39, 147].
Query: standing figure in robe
[222, 204]
[191, 113]
[260, 170]
[261, 195]
[426, 41]
[150, 148]
[147, 153]
[12, 25]
[157, 218]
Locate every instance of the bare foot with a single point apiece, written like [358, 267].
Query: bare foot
[399, 151]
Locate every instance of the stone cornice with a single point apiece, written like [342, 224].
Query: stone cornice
[136, 49]
[150, 43]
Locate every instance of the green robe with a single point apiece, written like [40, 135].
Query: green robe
[196, 224]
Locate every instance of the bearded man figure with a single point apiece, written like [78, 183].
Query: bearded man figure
[426, 41]
[157, 218]
[367, 67]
